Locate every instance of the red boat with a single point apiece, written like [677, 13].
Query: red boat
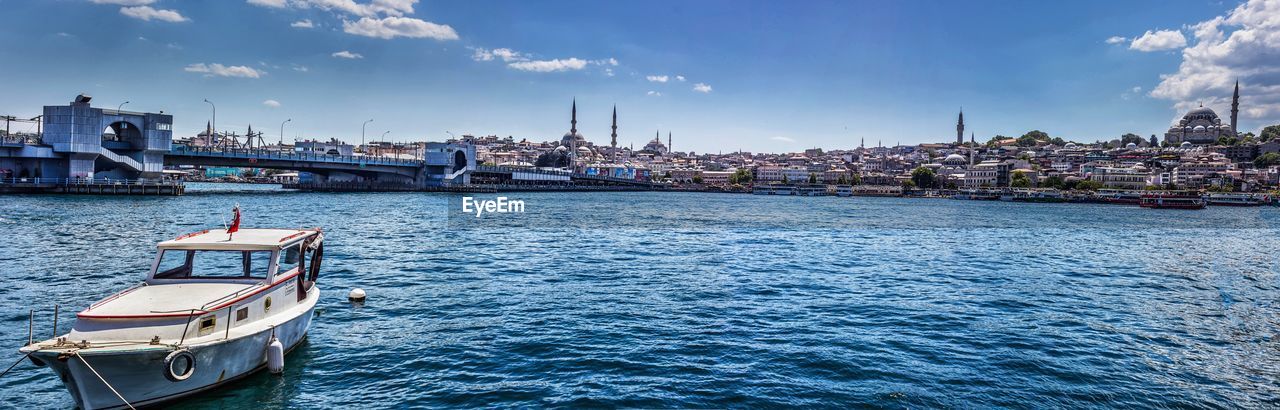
[1172, 201]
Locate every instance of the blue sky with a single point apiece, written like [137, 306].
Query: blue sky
[775, 76]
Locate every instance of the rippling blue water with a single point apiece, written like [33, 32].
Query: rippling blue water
[708, 300]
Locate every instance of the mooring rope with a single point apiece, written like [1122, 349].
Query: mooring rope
[15, 364]
[104, 381]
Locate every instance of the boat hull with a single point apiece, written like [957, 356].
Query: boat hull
[139, 375]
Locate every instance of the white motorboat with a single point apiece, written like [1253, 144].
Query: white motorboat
[209, 313]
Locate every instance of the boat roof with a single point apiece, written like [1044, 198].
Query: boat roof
[242, 240]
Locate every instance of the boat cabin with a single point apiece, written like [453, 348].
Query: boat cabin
[249, 256]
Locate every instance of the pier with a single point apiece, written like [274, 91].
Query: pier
[90, 186]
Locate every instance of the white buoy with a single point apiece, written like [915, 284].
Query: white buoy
[275, 356]
[356, 295]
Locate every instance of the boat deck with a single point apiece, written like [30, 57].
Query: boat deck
[168, 300]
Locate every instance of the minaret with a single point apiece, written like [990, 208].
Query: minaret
[614, 141]
[1235, 110]
[669, 142]
[573, 136]
[960, 128]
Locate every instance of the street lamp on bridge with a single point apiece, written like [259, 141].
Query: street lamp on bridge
[282, 131]
[118, 107]
[213, 129]
[362, 133]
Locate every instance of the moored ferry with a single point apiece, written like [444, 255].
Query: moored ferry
[1236, 199]
[976, 195]
[1119, 197]
[1043, 196]
[1172, 201]
[217, 305]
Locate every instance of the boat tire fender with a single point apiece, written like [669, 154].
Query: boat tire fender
[181, 357]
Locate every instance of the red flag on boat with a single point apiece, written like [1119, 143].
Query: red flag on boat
[235, 221]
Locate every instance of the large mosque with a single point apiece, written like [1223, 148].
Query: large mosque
[1202, 126]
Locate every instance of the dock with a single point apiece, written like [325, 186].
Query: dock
[91, 186]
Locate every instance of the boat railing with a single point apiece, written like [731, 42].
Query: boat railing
[232, 295]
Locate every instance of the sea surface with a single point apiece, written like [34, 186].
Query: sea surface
[691, 300]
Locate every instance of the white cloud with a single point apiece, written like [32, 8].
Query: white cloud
[279, 4]
[392, 27]
[300, 68]
[547, 66]
[1117, 40]
[653, 94]
[371, 9]
[656, 78]
[347, 55]
[783, 139]
[220, 70]
[304, 23]
[146, 13]
[524, 61]
[271, 103]
[1133, 92]
[124, 2]
[1245, 45]
[505, 54]
[680, 78]
[1159, 40]
[702, 88]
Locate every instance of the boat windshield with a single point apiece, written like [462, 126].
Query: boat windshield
[206, 264]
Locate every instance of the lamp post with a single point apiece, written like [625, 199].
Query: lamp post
[383, 138]
[213, 129]
[362, 133]
[118, 107]
[282, 132]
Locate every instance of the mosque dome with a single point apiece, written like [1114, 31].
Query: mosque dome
[1202, 115]
[1131, 146]
[1198, 128]
[1185, 144]
[954, 159]
[1070, 145]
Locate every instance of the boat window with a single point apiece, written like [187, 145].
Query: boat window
[174, 264]
[204, 264]
[289, 259]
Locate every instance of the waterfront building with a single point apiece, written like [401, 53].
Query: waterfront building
[1135, 177]
[1199, 168]
[331, 147]
[776, 174]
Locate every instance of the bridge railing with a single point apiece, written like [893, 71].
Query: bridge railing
[86, 181]
[263, 153]
[20, 140]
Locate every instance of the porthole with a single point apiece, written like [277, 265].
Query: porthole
[266, 305]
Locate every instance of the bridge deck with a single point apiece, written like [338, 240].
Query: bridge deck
[263, 154]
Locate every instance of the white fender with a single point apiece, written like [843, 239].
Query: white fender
[275, 356]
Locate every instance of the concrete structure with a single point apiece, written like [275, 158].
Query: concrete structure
[91, 143]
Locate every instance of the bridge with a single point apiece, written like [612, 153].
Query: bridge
[366, 167]
[86, 146]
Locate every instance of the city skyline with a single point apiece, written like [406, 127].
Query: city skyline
[827, 75]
